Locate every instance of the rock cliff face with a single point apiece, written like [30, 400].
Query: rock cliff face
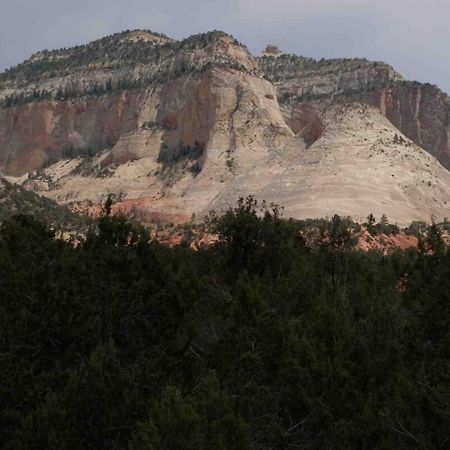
[360, 163]
[83, 100]
[176, 128]
[421, 112]
[121, 61]
[306, 87]
[299, 78]
[36, 132]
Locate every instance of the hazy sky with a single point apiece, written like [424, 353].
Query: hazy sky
[412, 35]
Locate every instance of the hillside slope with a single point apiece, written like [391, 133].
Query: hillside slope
[306, 87]
[177, 128]
[360, 164]
[14, 199]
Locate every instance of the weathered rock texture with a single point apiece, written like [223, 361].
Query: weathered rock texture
[306, 87]
[84, 99]
[177, 128]
[360, 163]
[421, 112]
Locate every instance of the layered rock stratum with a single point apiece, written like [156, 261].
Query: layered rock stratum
[176, 128]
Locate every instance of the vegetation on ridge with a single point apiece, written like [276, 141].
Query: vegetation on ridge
[111, 52]
[288, 66]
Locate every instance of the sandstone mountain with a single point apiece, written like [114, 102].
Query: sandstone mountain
[306, 87]
[177, 128]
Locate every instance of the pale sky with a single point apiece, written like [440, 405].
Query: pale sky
[412, 35]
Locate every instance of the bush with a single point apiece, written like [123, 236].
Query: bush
[255, 342]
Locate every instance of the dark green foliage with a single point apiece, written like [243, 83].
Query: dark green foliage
[14, 199]
[111, 52]
[417, 228]
[384, 227]
[255, 243]
[287, 66]
[370, 224]
[117, 55]
[170, 156]
[205, 419]
[63, 94]
[258, 342]
[290, 73]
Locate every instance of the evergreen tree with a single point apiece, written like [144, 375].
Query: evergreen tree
[255, 342]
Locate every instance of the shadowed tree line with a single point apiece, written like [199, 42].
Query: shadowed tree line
[261, 341]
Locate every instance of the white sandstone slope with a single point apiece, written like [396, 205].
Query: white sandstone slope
[208, 129]
[361, 164]
[179, 128]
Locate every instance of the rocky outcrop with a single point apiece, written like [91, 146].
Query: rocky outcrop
[299, 79]
[70, 102]
[120, 62]
[41, 132]
[174, 129]
[166, 149]
[306, 87]
[360, 164]
[420, 111]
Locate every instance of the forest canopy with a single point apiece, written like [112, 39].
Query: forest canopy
[259, 341]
